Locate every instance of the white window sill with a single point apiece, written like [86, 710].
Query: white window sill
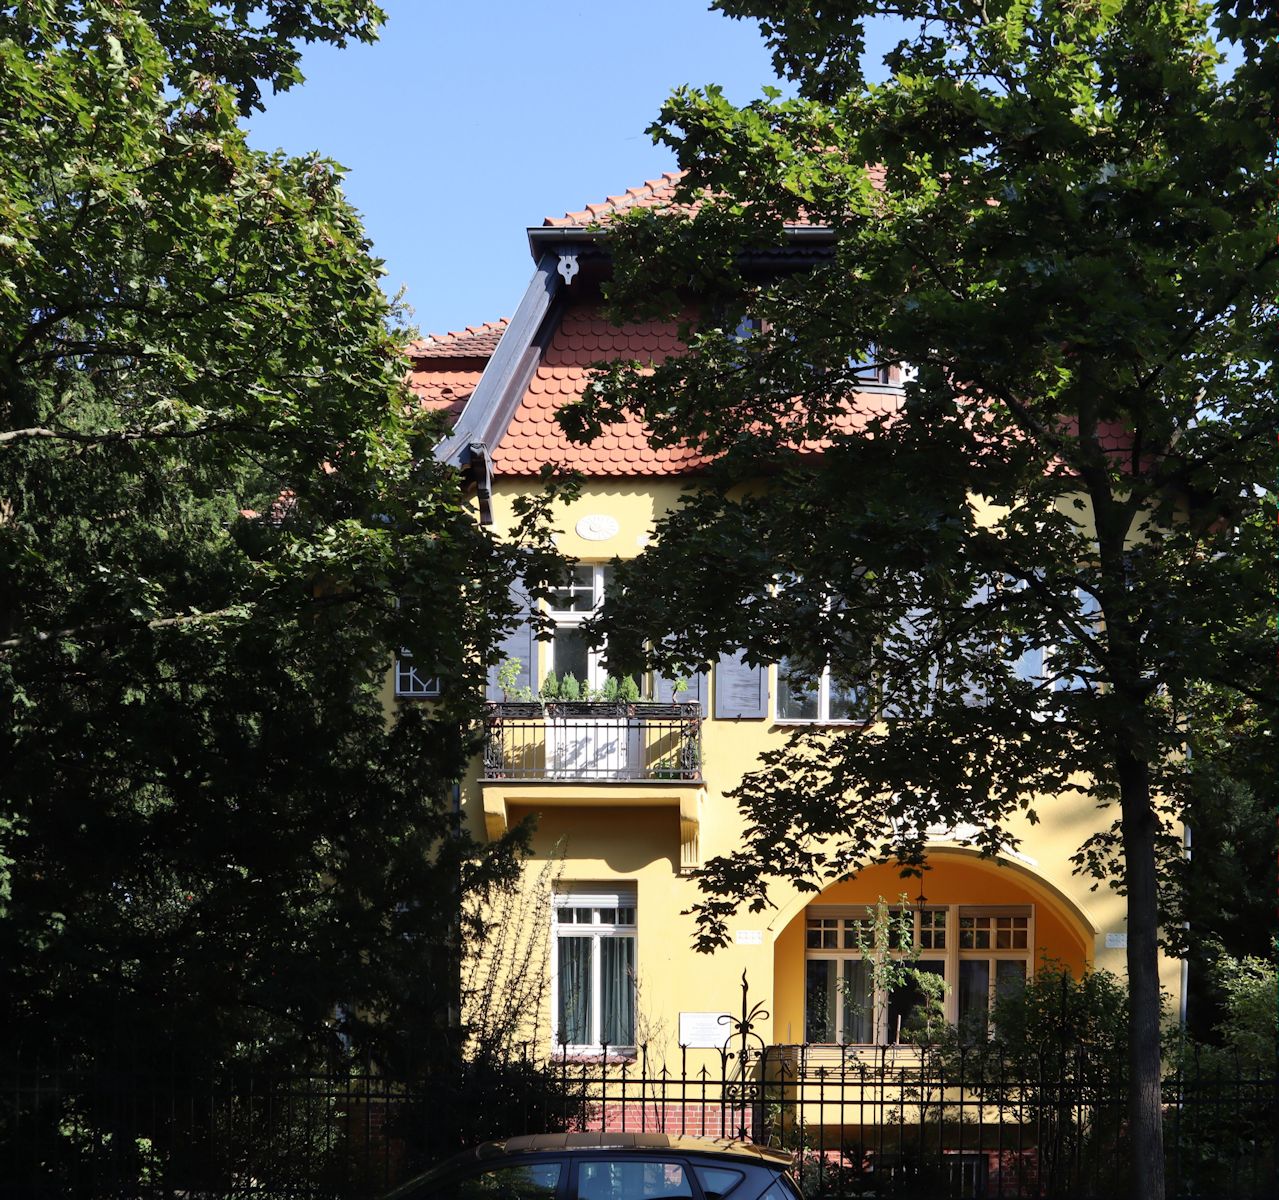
[845, 721]
[594, 1054]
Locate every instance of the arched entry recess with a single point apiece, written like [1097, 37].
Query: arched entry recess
[1003, 906]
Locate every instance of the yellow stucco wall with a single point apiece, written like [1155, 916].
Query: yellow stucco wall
[621, 832]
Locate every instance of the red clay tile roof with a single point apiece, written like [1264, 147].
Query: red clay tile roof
[475, 341]
[446, 390]
[447, 366]
[652, 193]
[534, 438]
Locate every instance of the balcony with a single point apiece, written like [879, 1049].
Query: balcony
[593, 742]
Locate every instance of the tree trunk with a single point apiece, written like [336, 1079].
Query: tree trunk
[1145, 1112]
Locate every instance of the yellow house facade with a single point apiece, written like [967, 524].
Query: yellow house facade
[632, 796]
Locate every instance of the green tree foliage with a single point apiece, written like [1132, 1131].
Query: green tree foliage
[1221, 904]
[213, 496]
[1237, 1061]
[1248, 1033]
[1071, 243]
[1056, 1010]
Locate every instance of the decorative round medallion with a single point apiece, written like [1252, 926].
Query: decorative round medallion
[597, 527]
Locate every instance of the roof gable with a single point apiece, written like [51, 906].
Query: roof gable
[652, 193]
[534, 438]
[657, 193]
[504, 421]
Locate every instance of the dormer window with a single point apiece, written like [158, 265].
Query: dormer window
[869, 369]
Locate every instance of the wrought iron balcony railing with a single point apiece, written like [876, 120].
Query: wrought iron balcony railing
[594, 741]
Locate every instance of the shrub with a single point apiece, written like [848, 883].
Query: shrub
[1250, 1028]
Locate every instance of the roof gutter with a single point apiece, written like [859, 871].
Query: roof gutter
[542, 237]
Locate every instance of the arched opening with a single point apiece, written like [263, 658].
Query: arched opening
[982, 928]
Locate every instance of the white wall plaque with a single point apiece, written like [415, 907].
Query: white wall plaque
[597, 527]
[749, 937]
[1116, 941]
[704, 1030]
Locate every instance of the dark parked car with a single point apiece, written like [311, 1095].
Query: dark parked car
[608, 1166]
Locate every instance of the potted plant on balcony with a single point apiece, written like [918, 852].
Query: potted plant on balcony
[565, 730]
[593, 733]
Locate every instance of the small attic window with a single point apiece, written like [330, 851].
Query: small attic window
[869, 368]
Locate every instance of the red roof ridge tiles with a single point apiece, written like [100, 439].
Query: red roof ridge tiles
[475, 341]
[655, 193]
[652, 193]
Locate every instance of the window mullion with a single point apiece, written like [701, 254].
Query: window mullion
[596, 999]
[952, 963]
[880, 1030]
[595, 655]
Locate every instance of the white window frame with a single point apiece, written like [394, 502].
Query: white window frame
[594, 897]
[566, 619]
[823, 681]
[823, 702]
[409, 684]
[950, 956]
[992, 954]
[1088, 613]
[873, 370]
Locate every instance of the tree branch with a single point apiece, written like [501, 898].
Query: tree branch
[38, 637]
[156, 433]
[46, 635]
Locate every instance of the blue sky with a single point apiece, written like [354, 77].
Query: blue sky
[466, 123]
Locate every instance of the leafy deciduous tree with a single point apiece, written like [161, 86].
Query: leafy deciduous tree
[1069, 241]
[213, 837]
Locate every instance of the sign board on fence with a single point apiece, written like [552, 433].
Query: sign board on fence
[703, 1030]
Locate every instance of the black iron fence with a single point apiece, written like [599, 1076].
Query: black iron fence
[887, 1122]
[343, 1132]
[593, 741]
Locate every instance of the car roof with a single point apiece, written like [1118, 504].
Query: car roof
[745, 1153]
[639, 1142]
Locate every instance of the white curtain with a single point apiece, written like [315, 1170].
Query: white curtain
[617, 985]
[574, 974]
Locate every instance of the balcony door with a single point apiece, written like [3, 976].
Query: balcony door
[569, 607]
